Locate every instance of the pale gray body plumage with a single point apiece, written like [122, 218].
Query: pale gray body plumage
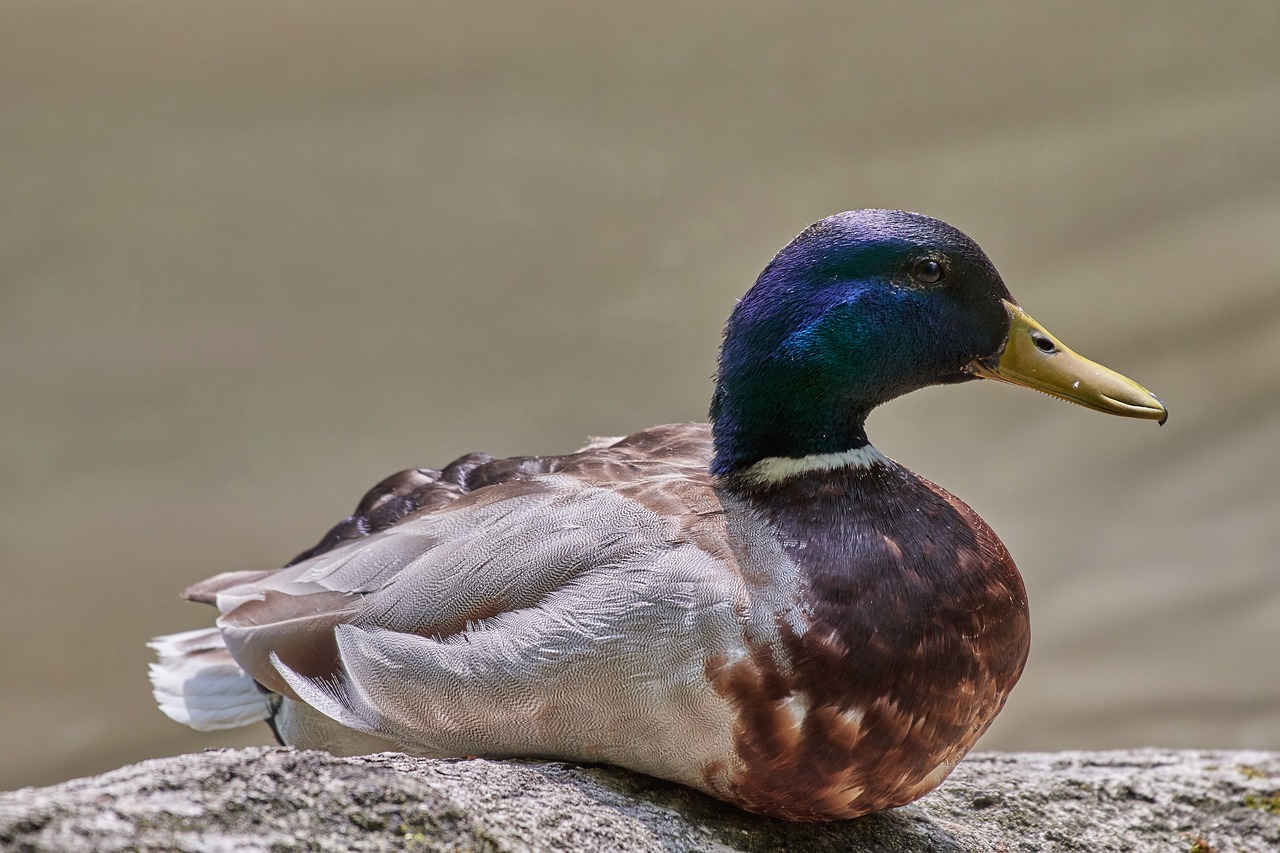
[550, 616]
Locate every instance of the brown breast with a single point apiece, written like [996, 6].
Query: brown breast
[917, 632]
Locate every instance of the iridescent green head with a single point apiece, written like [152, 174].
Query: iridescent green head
[868, 305]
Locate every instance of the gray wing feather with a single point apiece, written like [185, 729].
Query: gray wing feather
[563, 611]
[511, 555]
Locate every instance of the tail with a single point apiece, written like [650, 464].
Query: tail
[198, 683]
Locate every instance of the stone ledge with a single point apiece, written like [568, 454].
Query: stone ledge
[276, 799]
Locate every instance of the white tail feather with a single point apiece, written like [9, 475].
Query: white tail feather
[198, 683]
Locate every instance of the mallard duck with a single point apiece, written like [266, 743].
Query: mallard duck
[764, 608]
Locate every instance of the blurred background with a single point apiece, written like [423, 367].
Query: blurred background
[256, 256]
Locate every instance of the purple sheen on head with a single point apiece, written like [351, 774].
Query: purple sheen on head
[836, 325]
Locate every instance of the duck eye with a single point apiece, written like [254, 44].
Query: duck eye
[927, 271]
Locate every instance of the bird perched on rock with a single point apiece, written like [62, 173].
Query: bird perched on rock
[765, 608]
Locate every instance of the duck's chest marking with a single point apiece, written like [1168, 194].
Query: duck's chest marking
[916, 631]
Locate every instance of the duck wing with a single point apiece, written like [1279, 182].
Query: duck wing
[513, 604]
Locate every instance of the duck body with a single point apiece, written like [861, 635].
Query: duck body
[764, 608]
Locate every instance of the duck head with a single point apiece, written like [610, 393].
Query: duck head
[869, 305]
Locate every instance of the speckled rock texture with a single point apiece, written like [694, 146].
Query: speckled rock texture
[268, 799]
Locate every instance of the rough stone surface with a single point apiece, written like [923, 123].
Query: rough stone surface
[272, 799]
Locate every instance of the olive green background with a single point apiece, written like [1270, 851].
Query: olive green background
[255, 256]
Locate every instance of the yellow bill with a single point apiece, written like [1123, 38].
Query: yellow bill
[1033, 358]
